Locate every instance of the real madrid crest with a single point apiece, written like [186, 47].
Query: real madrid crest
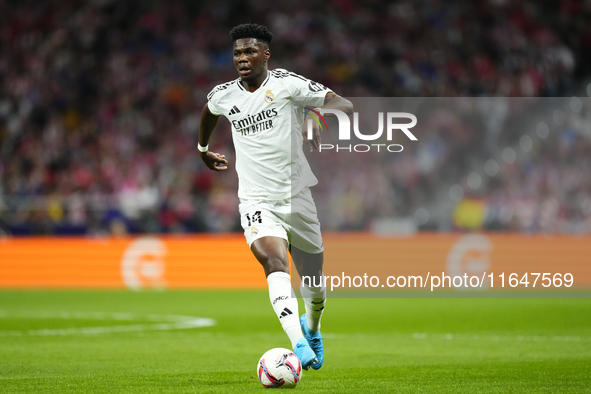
[269, 96]
[254, 231]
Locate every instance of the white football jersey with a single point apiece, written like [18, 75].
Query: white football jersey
[266, 129]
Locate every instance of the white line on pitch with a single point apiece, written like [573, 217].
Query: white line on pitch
[467, 337]
[157, 322]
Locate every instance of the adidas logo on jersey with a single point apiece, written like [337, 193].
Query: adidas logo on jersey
[234, 111]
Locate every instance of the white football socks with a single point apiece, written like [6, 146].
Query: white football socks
[314, 299]
[285, 305]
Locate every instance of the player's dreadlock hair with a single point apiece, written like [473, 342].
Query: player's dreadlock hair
[252, 30]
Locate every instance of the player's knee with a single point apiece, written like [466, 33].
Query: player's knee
[275, 264]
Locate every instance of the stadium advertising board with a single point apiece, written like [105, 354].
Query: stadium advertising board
[432, 263]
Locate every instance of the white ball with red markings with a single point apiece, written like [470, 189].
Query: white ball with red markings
[279, 368]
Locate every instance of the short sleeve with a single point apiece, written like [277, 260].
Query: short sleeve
[303, 90]
[214, 97]
[213, 108]
[212, 103]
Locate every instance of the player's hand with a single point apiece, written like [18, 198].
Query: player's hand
[315, 142]
[214, 161]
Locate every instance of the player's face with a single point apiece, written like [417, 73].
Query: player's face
[250, 58]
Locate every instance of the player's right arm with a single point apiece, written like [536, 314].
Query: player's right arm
[213, 161]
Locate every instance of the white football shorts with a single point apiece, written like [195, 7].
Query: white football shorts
[293, 219]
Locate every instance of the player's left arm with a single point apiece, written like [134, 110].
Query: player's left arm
[334, 101]
[331, 101]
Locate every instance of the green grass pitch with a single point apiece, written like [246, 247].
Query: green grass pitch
[372, 345]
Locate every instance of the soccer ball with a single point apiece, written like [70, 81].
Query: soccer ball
[279, 368]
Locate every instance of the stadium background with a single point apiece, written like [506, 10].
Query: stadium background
[100, 101]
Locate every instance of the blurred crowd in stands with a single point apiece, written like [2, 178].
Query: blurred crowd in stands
[100, 103]
[494, 163]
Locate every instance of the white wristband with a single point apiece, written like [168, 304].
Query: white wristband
[202, 148]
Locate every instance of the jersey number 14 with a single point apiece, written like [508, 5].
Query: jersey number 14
[256, 218]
